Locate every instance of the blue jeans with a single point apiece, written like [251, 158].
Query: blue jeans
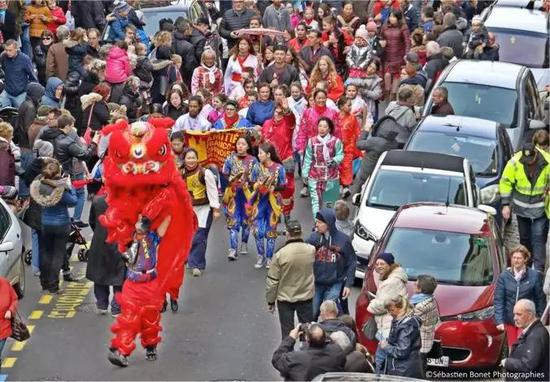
[7, 100]
[533, 234]
[197, 255]
[323, 293]
[80, 199]
[26, 40]
[35, 248]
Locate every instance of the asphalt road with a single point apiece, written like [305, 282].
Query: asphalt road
[221, 332]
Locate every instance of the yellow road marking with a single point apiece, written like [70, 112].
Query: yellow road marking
[18, 346]
[31, 328]
[9, 362]
[36, 315]
[45, 299]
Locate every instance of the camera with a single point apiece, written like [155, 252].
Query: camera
[303, 329]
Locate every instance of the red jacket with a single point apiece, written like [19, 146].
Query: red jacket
[280, 135]
[8, 301]
[398, 44]
[349, 131]
[58, 19]
[379, 5]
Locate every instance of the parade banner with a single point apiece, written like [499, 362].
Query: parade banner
[213, 147]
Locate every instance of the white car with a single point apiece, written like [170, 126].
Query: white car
[403, 177]
[12, 266]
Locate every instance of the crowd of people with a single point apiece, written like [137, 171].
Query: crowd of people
[306, 94]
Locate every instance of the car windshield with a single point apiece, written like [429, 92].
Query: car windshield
[452, 258]
[523, 48]
[394, 188]
[485, 102]
[480, 152]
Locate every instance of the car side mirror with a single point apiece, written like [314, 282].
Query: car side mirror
[535, 124]
[7, 246]
[487, 209]
[356, 200]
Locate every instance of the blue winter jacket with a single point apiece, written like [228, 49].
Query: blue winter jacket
[260, 111]
[18, 73]
[49, 96]
[508, 291]
[55, 200]
[329, 270]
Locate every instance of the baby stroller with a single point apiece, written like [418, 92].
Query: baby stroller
[76, 238]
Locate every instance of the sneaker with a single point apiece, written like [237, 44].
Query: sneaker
[243, 250]
[117, 359]
[69, 277]
[115, 313]
[196, 272]
[304, 192]
[56, 290]
[80, 224]
[102, 312]
[267, 263]
[174, 305]
[259, 263]
[151, 353]
[232, 256]
[345, 193]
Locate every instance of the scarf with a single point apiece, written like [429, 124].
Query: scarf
[518, 275]
[326, 152]
[320, 109]
[229, 122]
[211, 71]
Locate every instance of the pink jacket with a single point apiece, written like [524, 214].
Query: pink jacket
[308, 125]
[118, 66]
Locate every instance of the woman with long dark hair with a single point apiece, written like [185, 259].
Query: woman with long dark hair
[265, 205]
[241, 58]
[396, 34]
[236, 170]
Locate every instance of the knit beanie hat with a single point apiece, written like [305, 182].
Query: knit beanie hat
[43, 148]
[362, 32]
[387, 257]
[371, 26]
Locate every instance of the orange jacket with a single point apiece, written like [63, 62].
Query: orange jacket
[33, 16]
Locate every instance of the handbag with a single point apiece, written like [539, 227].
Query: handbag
[19, 330]
[436, 351]
[88, 133]
[370, 329]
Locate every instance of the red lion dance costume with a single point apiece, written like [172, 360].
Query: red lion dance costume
[141, 178]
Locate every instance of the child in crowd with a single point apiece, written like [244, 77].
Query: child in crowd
[206, 102]
[268, 56]
[309, 19]
[358, 106]
[218, 104]
[177, 141]
[239, 91]
[425, 308]
[358, 56]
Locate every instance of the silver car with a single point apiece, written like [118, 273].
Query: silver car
[11, 249]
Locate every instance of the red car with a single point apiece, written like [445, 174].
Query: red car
[462, 248]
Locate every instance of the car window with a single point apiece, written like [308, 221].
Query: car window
[486, 102]
[392, 188]
[521, 47]
[480, 152]
[5, 222]
[531, 96]
[452, 258]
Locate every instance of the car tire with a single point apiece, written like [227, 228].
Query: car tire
[21, 283]
[28, 257]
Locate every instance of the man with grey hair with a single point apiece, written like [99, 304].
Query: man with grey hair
[57, 59]
[329, 321]
[528, 360]
[451, 36]
[435, 63]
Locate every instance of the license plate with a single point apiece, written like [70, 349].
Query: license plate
[438, 362]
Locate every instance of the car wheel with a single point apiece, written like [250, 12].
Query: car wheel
[28, 257]
[21, 283]
[83, 254]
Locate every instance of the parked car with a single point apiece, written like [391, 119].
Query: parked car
[12, 266]
[498, 91]
[361, 377]
[188, 9]
[462, 248]
[403, 177]
[484, 143]
[522, 37]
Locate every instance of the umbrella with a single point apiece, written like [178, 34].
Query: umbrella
[259, 32]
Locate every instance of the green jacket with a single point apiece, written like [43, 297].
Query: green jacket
[526, 193]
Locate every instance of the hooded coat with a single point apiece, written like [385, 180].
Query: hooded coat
[55, 197]
[105, 263]
[49, 95]
[118, 66]
[76, 52]
[342, 267]
[27, 113]
[403, 351]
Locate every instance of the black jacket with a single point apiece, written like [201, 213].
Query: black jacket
[88, 14]
[304, 365]
[198, 40]
[231, 21]
[433, 68]
[132, 101]
[33, 216]
[529, 356]
[100, 116]
[27, 113]
[286, 77]
[67, 147]
[403, 351]
[105, 264]
[8, 28]
[186, 50]
[452, 38]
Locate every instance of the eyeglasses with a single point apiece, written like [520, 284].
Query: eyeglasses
[46, 38]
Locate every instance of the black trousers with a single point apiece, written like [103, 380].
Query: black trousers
[303, 309]
[53, 241]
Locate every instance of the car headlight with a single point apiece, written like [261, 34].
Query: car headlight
[490, 194]
[478, 315]
[364, 233]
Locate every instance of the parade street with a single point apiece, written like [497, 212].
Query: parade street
[222, 331]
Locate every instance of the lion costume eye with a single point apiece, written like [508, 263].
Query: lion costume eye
[162, 150]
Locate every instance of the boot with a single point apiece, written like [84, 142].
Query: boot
[151, 353]
[164, 306]
[174, 305]
[117, 359]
